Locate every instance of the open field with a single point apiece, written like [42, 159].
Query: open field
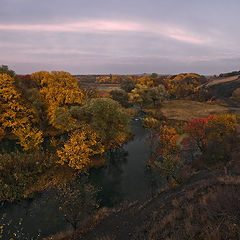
[105, 87]
[188, 110]
[223, 80]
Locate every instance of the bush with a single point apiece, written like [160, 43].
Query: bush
[214, 136]
[19, 171]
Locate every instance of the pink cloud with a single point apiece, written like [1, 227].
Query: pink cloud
[84, 26]
[172, 32]
[185, 36]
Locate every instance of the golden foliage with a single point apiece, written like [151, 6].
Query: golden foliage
[167, 141]
[58, 90]
[16, 116]
[29, 137]
[80, 148]
[103, 79]
[145, 80]
[184, 85]
[221, 126]
[108, 79]
[165, 156]
[150, 122]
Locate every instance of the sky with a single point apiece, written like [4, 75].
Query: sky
[120, 36]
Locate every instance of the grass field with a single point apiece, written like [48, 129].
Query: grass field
[188, 110]
[223, 80]
[102, 86]
[108, 88]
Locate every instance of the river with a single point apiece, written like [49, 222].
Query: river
[123, 178]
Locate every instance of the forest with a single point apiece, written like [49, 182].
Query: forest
[68, 141]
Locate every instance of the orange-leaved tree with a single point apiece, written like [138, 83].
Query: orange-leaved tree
[197, 130]
[17, 117]
[166, 153]
[79, 150]
[58, 90]
[213, 135]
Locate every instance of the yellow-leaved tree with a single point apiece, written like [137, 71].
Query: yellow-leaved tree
[221, 127]
[79, 150]
[145, 80]
[58, 90]
[17, 117]
[165, 156]
[184, 85]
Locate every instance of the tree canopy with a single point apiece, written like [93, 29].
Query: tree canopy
[108, 119]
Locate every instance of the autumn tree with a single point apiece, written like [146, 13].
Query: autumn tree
[154, 76]
[142, 94]
[145, 80]
[77, 201]
[103, 79]
[58, 91]
[157, 94]
[165, 155]
[114, 78]
[120, 96]
[79, 151]
[222, 126]
[107, 118]
[151, 123]
[214, 135]
[20, 172]
[17, 117]
[183, 85]
[197, 129]
[127, 84]
[6, 70]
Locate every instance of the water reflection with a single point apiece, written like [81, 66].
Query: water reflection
[29, 219]
[124, 177]
[109, 178]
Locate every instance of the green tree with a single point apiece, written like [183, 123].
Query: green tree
[5, 69]
[154, 75]
[107, 118]
[127, 84]
[143, 94]
[120, 96]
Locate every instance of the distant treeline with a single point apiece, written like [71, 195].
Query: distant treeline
[230, 74]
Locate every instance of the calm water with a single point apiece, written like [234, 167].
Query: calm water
[124, 178]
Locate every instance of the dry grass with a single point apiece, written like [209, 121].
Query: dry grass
[222, 80]
[189, 110]
[107, 88]
[213, 213]
[206, 207]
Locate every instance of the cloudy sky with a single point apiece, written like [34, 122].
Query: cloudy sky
[120, 36]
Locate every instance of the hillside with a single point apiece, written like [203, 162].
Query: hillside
[205, 207]
[222, 80]
[223, 87]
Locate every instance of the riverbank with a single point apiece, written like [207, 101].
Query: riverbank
[123, 178]
[186, 207]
